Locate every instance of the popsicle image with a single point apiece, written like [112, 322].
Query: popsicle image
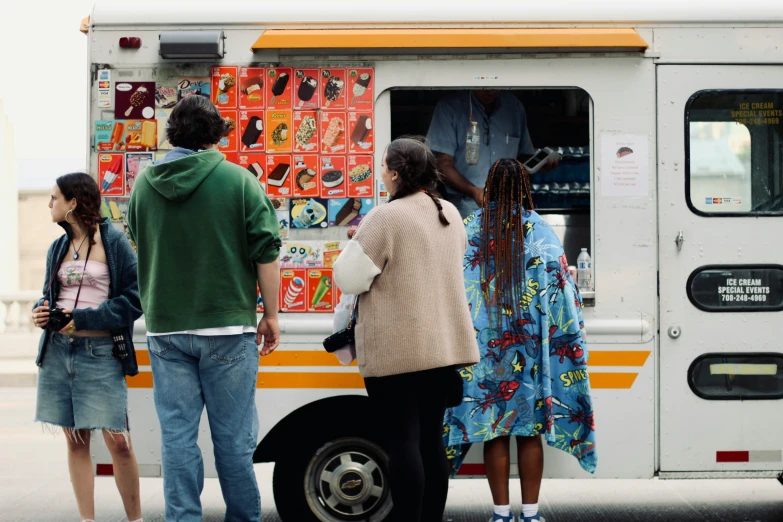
[116, 134]
[333, 89]
[362, 130]
[111, 173]
[116, 215]
[294, 289]
[360, 87]
[320, 291]
[149, 134]
[334, 133]
[307, 89]
[137, 99]
[252, 132]
[279, 86]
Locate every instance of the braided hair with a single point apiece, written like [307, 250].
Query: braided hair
[417, 168]
[506, 197]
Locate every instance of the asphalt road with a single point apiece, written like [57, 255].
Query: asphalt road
[34, 486]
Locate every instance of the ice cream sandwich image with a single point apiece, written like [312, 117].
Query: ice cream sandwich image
[256, 169]
[362, 130]
[255, 127]
[278, 176]
[332, 178]
[348, 212]
[624, 151]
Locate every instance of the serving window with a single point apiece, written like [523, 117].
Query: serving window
[734, 151]
[556, 118]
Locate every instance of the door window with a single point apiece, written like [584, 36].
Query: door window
[734, 152]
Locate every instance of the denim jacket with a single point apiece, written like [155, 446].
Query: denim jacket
[123, 307]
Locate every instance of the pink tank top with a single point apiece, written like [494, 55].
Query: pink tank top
[95, 288]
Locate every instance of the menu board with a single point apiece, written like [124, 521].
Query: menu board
[306, 134]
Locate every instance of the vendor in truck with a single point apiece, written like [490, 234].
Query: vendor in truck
[502, 128]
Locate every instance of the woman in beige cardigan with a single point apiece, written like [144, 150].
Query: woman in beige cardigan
[414, 327]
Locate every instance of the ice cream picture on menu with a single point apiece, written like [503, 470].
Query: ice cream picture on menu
[255, 164]
[361, 89]
[320, 295]
[333, 132]
[111, 174]
[307, 92]
[279, 134]
[134, 100]
[306, 131]
[333, 176]
[280, 83]
[228, 143]
[333, 81]
[278, 175]
[361, 138]
[251, 87]
[306, 180]
[292, 290]
[251, 124]
[224, 92]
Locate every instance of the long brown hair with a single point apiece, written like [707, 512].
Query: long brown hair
[417, 168]
[88, 200]
[506, 197]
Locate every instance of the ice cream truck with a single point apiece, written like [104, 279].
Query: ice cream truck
[667, 117]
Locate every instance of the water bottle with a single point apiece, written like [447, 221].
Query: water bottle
[472, 144]
[584, 271]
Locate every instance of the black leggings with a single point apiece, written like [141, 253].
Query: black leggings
[409, 409]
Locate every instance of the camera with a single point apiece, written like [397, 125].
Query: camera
[58, 319]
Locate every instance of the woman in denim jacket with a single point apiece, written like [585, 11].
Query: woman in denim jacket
[91, 275]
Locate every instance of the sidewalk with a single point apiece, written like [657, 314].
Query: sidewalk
[17, 359]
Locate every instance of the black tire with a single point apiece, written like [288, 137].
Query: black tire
[344, 480]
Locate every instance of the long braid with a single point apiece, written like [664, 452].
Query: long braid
[506, 196]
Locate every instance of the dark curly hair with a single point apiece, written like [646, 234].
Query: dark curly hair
[84, 189]
[417, 169]
[194, 123]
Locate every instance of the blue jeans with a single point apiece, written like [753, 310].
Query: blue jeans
[190, 371]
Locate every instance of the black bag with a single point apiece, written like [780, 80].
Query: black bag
[344, 337]
[454, 389]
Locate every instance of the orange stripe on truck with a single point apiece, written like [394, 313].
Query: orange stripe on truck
[617, 358]
[321, 358]
[342, 380]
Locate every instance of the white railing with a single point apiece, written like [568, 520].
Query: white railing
[15, 308]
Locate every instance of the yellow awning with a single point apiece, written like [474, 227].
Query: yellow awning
[566, 39]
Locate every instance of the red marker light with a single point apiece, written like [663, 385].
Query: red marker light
[130, 42]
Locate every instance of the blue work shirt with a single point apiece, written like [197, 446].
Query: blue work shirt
[503, 135]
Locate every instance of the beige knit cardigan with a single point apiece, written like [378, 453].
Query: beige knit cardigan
[408, 268]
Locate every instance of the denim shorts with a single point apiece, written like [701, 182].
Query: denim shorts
[81, 385]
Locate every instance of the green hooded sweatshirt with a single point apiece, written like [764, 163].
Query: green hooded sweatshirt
[200, 225]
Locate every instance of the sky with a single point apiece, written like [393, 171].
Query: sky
[42, 49]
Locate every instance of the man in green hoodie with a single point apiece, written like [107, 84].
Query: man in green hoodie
[206, 233]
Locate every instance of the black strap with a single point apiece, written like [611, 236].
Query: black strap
[354, 310]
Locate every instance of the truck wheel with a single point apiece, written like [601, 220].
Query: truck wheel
[344, 480]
